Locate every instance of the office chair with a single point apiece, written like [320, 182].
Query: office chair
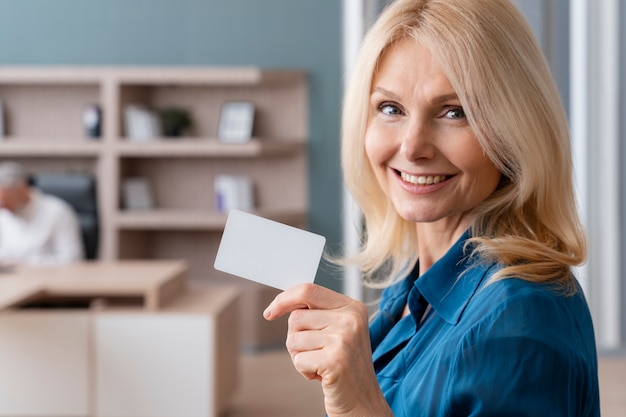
[79, 191]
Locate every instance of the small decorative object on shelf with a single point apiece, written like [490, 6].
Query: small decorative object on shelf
[233, 192]
[236, 122]
[141, 123]
[137, 194]
[92, 120]
[174, 121]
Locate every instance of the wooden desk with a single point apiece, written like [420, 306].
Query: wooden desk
[156, 281]
[175, 355]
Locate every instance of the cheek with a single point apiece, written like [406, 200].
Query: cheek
[483, 172]
[491, 176]
[369, 151]
[377, 149]
[377, 154]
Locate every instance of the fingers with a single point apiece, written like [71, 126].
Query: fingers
[303, 340]
[307, 338]
[321, 331]
[304, 296]
[307, 363]
[317, 355]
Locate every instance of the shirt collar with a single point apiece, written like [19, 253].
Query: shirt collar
[394, 297]
[451, 282]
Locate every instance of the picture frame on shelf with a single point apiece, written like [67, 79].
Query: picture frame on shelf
[137, 194]
[236, 122]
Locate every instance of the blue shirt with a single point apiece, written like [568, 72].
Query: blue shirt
[510, 348]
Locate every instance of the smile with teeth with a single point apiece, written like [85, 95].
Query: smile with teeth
[422, 179]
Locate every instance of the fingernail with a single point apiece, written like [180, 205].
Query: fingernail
[267, 312]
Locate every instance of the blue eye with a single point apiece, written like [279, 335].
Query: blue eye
[389, 109]
[455, 113]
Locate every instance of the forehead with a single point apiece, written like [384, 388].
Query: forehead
[409, 67]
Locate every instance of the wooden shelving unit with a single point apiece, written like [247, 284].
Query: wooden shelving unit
[43, 129]
[211, 148]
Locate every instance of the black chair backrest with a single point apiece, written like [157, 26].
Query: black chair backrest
[79, 191]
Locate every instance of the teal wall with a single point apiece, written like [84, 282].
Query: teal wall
[302, 34]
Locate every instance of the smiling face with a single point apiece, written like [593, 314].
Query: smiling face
[424, 154]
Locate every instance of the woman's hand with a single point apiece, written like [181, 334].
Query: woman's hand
[328, 340]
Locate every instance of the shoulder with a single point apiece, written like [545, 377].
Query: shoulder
[512, 293]
[518, 309]
[52, 205]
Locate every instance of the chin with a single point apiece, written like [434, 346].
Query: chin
[411, 216]
[416, 214]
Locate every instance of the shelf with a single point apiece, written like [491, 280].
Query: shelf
[160, 147]
[49, 75]
[46, 148]
[227, 76]
[164, 219]
[208, 147]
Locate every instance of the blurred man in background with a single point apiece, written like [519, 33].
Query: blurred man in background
[35, 228]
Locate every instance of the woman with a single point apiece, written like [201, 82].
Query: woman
[455, 146]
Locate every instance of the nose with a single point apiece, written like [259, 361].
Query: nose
[417, 141]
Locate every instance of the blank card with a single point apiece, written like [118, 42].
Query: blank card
[268, 252]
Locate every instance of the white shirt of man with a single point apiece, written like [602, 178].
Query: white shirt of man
[44, 232]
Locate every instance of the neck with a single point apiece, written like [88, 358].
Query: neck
[434, 241]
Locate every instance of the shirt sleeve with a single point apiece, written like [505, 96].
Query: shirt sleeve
[65, 241]
[67, 238]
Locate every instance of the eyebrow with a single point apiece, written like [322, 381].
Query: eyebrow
[444, 98]
[385, 92]
[437, 100]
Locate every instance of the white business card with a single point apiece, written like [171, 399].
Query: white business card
[268, 252]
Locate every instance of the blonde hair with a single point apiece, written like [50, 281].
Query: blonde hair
[530, 223]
